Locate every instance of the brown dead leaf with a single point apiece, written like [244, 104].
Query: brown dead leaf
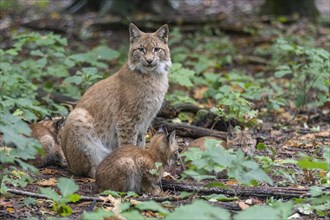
[6, 203]
[243, 205]
[199, 92]
[168, 176]
[307, 137]
[257, 201]
[231, 182]
[47, 171]
[134, 202]
[322, 173]
[323, 134]
[249, 201]
[55, 15]
[149, 214]
[115, 202]
[48, 182]
[10, 210]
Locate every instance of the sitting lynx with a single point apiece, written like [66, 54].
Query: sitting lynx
[128, 167]
[118, 110]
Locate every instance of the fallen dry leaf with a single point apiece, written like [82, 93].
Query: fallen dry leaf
[48, 182]
[243, 205]
[115, 202]
[323, 134]
[231, 182]
[47, 171]
[6, 203]
[199, 92]
[134, 202]
[168, 176]
[10, 210]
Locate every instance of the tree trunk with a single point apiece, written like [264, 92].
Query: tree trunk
[306, 8]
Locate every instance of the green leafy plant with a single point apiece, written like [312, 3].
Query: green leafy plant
[155, 171]
[199, 209]
[15, 178]
[319, 201]
[215, 159]
[278, 210]
[181, 76]
[37, 64]
[67, 188]
[308, 72]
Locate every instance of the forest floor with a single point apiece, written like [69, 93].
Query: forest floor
[287, 132]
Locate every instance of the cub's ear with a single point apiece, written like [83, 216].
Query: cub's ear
[134, 32]
[162, 33]
[163, 130]
[59, 123]
[48, 117]
[171, 138]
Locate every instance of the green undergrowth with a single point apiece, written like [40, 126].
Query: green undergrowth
[296, 76]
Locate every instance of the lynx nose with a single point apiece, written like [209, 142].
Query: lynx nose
[149, 61]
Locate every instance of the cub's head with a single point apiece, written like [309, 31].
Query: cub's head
[166, 146]
[149, 52]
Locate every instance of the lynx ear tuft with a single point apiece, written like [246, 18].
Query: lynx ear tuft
[171, 138]
[134, 32]
[59, 123]
[162, 33]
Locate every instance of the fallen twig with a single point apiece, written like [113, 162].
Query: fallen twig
[97, 199]
[191, 131]
[260, 191]
[175, 199]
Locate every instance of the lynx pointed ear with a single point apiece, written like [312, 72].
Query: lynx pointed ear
[134, 32]
[48, 117]
[162, 33]
[171, 138]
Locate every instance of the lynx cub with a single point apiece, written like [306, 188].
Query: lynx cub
[241, 140]
[118, 110]
[128, 167]
[47, 131]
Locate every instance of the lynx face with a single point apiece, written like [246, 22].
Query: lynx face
[242, 140]
[149, 52]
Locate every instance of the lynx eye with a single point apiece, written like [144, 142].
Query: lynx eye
[141, 49]
[156, 49]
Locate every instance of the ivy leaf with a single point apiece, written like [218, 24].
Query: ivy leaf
[259, 212]
[133, 215]
[50, 193]
[307, 164]
[73, 197]
[282, 71]
[100, 213]
[105, 53]
[151, 205]
[199, 210]
[67, 186]
[73, 80]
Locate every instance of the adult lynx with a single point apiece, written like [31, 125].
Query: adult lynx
[118, 110]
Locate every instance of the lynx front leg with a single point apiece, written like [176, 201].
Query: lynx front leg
[141, 140]
[151, 188]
